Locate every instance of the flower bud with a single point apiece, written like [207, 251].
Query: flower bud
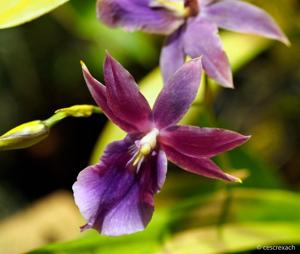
[78, 110]
[24, 135]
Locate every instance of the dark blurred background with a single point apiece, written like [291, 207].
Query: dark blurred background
[40, 72]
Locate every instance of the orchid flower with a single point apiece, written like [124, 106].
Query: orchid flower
[115, 196]
[192, 26]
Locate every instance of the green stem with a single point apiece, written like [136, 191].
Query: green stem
[51, 121]
[224, 159]
[228, 198]
[73, 111]
[208, 103]
[97, 110]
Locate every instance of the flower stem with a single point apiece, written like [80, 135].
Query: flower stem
[51, 121]
[73, 111]
[224, 159]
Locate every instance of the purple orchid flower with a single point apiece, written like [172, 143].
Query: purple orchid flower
[116, 195]
[193, 31]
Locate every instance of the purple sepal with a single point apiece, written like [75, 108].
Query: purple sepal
[178, 94]
[201, 142]
[124, 97]
[243, 17]
[138, 15]
[98, 92]
[202, 39]
[172, 56]
[197, 165]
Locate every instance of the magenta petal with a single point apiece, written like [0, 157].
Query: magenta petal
[137, 15]
[124, 97]
[98, 92]
[200, 166]
[112, 196]
[178, 94]
[202, 39]
[172, 55]
[243, 17]
[201, 142]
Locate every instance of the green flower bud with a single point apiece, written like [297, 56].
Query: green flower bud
[79, 110]
[28, 134]
[24, 135]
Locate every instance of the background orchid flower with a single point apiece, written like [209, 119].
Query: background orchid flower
[192, 29]
[116, 195]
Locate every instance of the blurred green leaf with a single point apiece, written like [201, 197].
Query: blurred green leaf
[94, 245]
[16, 12]
[246, 205]
[235, 238]
[255, 218]
[261, 174]
[81, 21]
[146, 242]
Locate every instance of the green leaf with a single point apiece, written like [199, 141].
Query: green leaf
[255, 218]
[234, 238]
[246, 205]
[79, 19]
[146, 242]
[261, 174]
[16, 12]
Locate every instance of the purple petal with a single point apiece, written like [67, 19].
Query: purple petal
[98, 92]
[138, 15]
[162, 165]
[200, 166]
[245, 18]
[201, 142]
[172, 55]
[202, 39]
[124, 97]
[112, 196]
[178, 94]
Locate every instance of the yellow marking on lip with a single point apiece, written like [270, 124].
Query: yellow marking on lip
[175, 6]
